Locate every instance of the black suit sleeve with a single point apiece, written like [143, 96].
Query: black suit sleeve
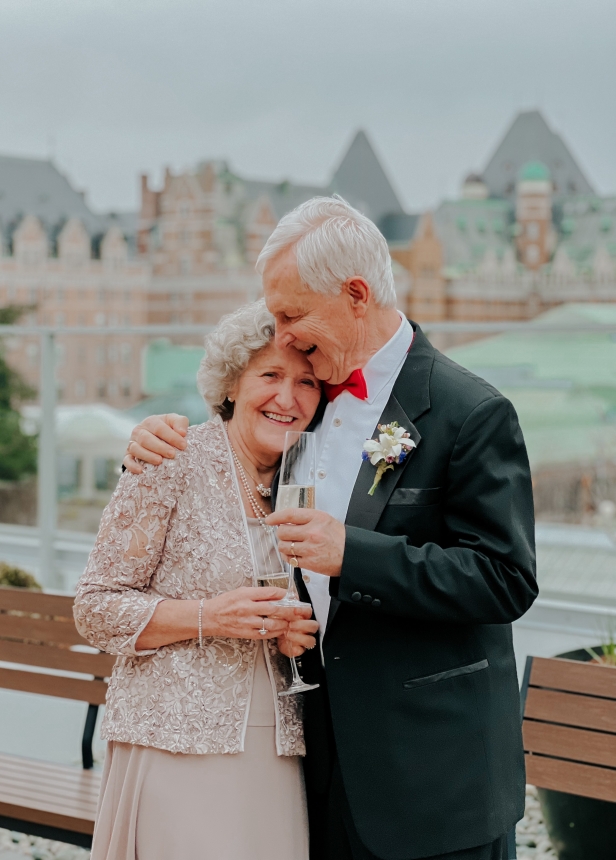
[486, 572]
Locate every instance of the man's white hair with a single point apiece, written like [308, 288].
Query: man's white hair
[333, 242]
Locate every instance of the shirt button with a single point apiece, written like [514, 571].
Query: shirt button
[337, 422]
[305, 577]
[321, 473]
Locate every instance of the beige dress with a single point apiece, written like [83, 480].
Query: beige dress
[158, 805]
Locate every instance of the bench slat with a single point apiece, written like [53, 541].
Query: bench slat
[99, 665]
[34, 769]
[30, 796]
[569, 743]
[573, 677]
[571, 778]
[92, 692]
[36, 601]
[571, 709]
[40, 630]
[49, 817]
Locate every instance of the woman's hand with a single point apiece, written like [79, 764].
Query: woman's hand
[299, 637]
[244, 612]
[238, 614]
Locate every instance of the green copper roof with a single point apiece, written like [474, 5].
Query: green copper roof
[535, 171]
[562, 385]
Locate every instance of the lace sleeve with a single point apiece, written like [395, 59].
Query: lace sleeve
[112, 606]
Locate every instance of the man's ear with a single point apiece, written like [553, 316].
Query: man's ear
[360, 294]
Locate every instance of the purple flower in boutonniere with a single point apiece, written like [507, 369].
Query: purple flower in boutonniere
[389, 450]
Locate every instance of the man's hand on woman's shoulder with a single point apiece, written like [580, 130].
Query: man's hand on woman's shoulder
[154, 439]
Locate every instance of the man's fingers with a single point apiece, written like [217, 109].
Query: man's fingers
[131, 465]
[266, 593]
[159, 427]
[297, 516]
[178, 422]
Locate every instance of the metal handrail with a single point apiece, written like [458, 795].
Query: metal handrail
[47, 490]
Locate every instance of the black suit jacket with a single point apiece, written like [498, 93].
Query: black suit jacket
[418, 650]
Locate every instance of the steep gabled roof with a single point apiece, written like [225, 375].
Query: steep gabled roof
[361, 180]
[529, 138]
[30, 186]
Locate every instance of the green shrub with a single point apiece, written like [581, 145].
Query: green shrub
[15, 577]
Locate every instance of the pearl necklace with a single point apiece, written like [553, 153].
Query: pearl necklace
[258, 511]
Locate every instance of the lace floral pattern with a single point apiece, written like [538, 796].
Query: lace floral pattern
[178, 531]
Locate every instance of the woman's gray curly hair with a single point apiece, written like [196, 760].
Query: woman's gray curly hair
[228, 349]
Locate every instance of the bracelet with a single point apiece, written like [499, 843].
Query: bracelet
[201, 623]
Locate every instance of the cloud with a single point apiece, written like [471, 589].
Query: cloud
[278, 87]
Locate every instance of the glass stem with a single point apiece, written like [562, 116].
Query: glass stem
[296, 676]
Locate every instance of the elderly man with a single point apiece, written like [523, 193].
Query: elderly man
[414, 745]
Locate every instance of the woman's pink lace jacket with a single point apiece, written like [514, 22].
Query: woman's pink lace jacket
[178, 531]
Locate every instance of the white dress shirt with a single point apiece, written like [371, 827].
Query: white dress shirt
[347, 423]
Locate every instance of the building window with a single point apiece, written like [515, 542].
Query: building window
[113, 353]
[532, 230]
[185, 265]
[60, 319]
[81, 319]
[99, 319]
[126, 351]
[126, 319]
[100, 355]
[101, 388]
[112, 388]
[60, 353]
[80, 389]
[33, 296]
[60, 294]
[82, 354]
[60, 388]
[532, 254]
[126, 387]
[101, 295]
[127, 296]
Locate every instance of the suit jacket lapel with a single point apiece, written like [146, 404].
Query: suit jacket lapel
[409, 399]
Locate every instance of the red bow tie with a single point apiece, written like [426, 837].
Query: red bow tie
[356, 384]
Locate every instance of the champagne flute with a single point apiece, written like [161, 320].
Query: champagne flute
[296, 490]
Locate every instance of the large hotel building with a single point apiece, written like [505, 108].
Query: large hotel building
[526, 234]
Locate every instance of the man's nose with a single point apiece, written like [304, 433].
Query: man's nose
[283, 337]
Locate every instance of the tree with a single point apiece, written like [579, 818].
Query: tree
[18, 451]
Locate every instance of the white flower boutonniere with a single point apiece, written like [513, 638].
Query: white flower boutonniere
[389, 450]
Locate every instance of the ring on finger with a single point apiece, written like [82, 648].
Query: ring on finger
[263, 630]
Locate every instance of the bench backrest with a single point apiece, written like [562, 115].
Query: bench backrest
[38, 630]
[569, 727]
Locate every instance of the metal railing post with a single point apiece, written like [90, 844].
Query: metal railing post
[47, 479]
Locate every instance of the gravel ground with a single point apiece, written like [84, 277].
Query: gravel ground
[531, 836]
[532, 839]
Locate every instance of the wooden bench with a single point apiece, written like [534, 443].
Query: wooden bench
[41, 798]
[569, 727]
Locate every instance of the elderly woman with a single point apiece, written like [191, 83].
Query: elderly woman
[203, 756]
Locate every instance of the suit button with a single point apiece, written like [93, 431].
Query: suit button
[356, 596]
[367, 598]
[376, 602]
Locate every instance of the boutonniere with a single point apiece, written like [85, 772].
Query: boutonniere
[389, 450]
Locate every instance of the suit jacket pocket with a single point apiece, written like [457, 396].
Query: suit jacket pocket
[416, 496]
[443, 676]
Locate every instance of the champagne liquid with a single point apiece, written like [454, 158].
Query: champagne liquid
[274, 581]
[294, 496]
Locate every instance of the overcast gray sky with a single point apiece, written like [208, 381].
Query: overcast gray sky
[278, 87]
